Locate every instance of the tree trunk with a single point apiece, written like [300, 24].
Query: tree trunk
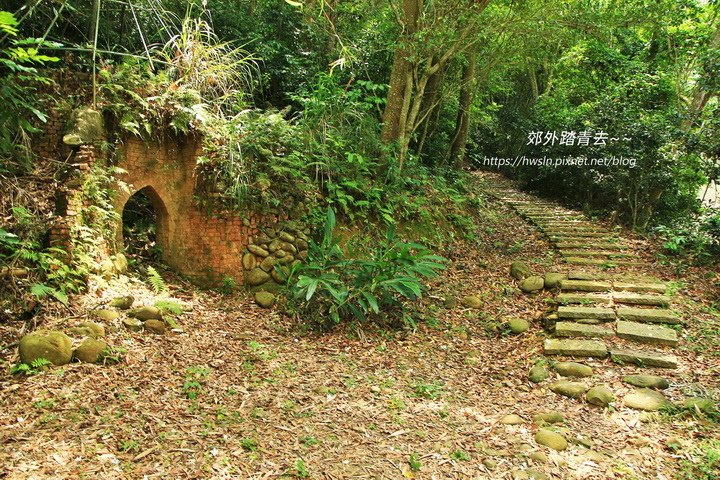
[401, 68]
[462, 123]
[429, 106]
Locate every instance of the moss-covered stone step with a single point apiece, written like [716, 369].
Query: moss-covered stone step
[647, 333]
[581, 330]
[570, 233]
[585, 286]
[630, 298]
[602, 262]
[640, 287]
[593, 253]
[643, 359]
[590, 246]
[648, 315]
[583, 299]
[596, 313]
[575, 348]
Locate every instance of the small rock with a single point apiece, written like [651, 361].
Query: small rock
[569, 389]
[146, 313]
[538, 374]
[249, 261]
[551, 439]
[532, 284]
[120, 262]
[647, 381]
[107, 315]
[518, 325]
[123, 303]
[646, 399]
[512, 419]
[539, 457]
[256, 276]
[286, 237]
[489, 463]
[133, 324]
[155, 326]
[257, 250]
[265, 299]
[552, 280]
[471, 301]
[519, 270]
[53, 346]
[450, 301]
[573, 369]
[96, 330]
[549, 418]
[535, 474]
[89, 350]
[268, 263]
[600, 396]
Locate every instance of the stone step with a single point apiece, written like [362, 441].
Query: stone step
[575, 348]
[643, 359]
[648, 315]
[569, 298]
[602, 262]
[584, 286]
[577, 239]
[597, 313]
[581, 330]
[640, 287]
[646, 333]
[553, 233]
[586, 275]
[593, 253]
[640, 299]
[590, 246]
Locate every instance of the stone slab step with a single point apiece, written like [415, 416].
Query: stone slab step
[643, 359]
[647, 333]
[569, 298]
[648, 315]
[640, 287]
[584, 286]
[581, 330]
[553, 233]
[590, 246]
[601, 262]
[593, 253]
[575, 348]
[597, 313]
[640, 299]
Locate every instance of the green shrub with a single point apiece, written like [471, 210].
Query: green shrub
[331, 288]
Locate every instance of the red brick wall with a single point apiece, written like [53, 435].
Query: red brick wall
[203, 246]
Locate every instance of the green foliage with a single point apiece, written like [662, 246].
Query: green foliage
[414, 462]
[169, 306]
[19, 82]
[195, 378]
[157, 283]
[428, 390]
[695, 237]
[35, 367]
[300, 469]
[704, 464]
[330, 287]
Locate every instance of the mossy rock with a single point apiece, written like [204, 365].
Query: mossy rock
[551, 439]
[123, 303]
[146, 313]
[573, 369]
[519, 270]
[538, 374]
[90, 350]
[450, 302]
[600, 396]
[472, 301]
[265, 299]
[53, 346]
[518, 325]
[569, 389]
[155, 326]
[552, 280]
[647, 381]
[549, 418]
[95, 330]
[120, 262]
[106, 314]
[133, 324]
[86, 126]
[532, 284]
[256, 276]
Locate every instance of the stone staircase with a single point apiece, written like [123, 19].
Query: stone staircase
[606, 306]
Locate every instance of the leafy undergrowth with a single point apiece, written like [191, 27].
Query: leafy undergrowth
[246, 393]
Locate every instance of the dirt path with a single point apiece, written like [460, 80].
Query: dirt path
[242, 393]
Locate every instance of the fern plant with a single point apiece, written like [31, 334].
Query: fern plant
[35, 367]
[157, 283]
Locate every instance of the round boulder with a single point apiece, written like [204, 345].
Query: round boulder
[538, 374]
[518, 325]
[146, 313]
[600, 396]
[519, 270]
[53, 346]
[123, 303]
[90, 350]
[569, 389]
[471, 301]
[552, 280]
[256, 276]
[573, 369]
[265, 299]
[155, 326]
[532, 284]
[551, 439]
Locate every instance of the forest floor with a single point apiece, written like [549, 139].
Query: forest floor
[246, 393]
